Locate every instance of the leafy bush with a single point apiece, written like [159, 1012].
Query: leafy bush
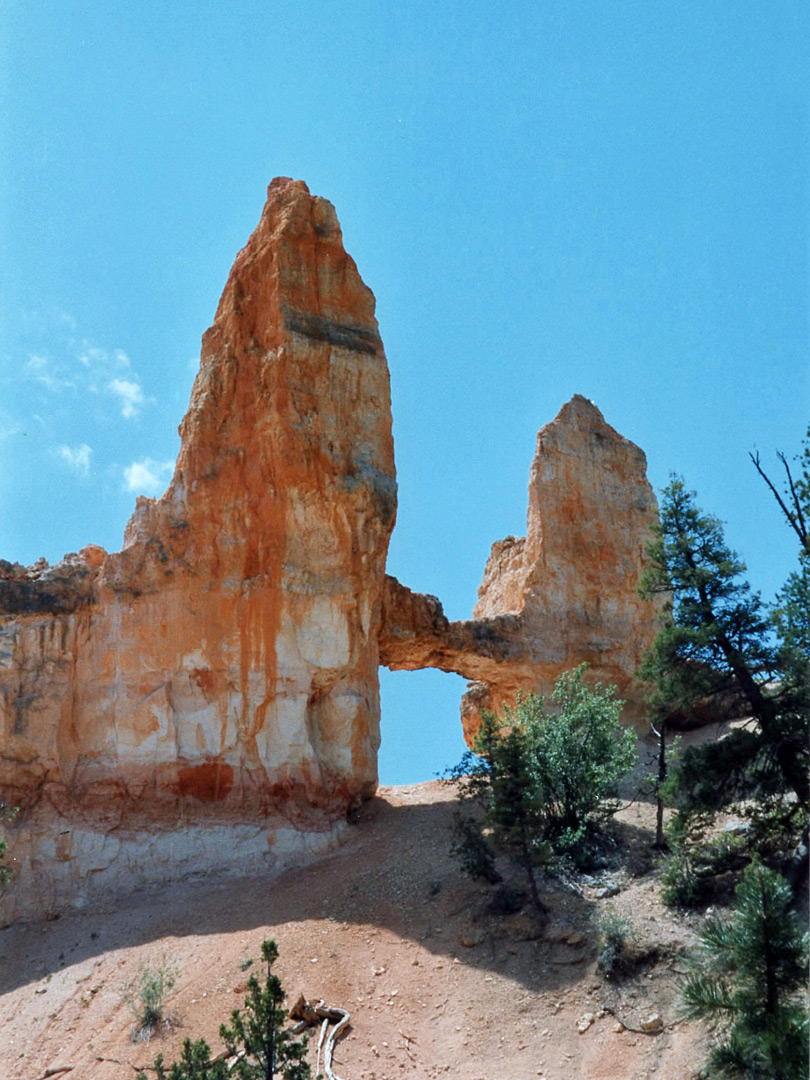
[748, 976]
[680, 885]
[146, 996]
[472, 850]
[583, 752]
[541, 781]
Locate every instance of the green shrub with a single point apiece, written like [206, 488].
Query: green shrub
[470, 847]
[680, 885]
[146, 996]
[616, 933]
[195, 1064]
[256, 1039]
[542, 780]
[7, 815]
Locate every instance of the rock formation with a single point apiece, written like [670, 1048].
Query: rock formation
[208, 696]
[210, 692]
[564, 594]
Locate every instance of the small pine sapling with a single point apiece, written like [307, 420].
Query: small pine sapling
[264, 1047]
[748, 977]
[257, 1041]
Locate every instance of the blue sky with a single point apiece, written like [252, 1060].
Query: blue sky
[546, 198]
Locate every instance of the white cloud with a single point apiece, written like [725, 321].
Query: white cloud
[148, 477]
[42, 371]
[54, 383]
[87, 369]
[77, 457]
[130, 394]
[91, 356]
[8, 431]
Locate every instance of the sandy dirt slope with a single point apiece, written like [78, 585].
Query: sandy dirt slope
[387, 928]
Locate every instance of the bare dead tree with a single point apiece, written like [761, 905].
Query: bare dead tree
[793, 512]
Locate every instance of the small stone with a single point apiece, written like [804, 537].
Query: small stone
[618, 1026]
[605, 891]
[739, 827]
[585, 1022]
[652, 1023]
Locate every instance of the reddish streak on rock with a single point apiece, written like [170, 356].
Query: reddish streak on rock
[204, 678]
[209, 782]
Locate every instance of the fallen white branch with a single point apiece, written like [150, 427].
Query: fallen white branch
[308, 1015]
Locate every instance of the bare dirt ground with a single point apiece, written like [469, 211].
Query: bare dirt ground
[387, 928]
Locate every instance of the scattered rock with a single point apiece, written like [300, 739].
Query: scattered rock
[470, 941]
[523, 927]
[738, 828]
[585, 1022]
[604, 891]
[653, 1022]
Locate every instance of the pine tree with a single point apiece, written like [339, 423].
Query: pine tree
[195, 1064]
[716, 648]
[268, 1050]
[748, 975]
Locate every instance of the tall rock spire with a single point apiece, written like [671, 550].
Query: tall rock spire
[222, 668]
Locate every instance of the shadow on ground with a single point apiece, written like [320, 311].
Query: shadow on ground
[394, 874]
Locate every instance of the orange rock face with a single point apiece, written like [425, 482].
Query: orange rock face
[208, 697]
[219, 672]
[564, 594]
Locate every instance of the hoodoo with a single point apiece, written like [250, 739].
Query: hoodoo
[209, 694]
[564, 594]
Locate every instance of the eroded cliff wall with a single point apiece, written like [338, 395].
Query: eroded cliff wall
[210, 692]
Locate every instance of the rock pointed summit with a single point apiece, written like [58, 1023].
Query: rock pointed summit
[215, 683]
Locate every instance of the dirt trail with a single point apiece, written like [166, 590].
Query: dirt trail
[387, 928]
